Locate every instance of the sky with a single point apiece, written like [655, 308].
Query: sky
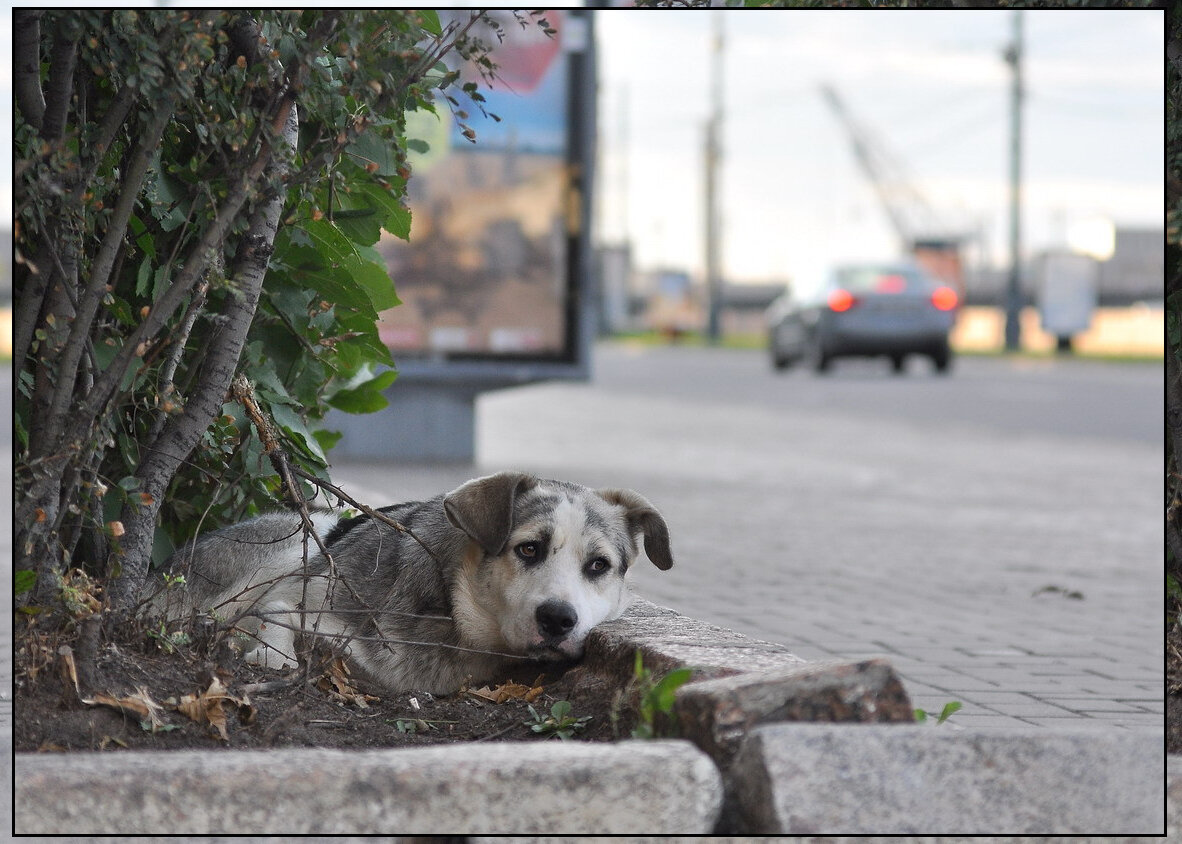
[931, 89]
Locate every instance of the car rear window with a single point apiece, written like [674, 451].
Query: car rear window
[883, 280]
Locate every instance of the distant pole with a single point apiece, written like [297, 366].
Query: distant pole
[1013, 57]
[713, 156]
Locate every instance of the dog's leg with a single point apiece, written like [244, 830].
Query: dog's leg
[276, 648]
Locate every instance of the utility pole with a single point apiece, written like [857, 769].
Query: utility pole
[713, 157]
[1013, 57]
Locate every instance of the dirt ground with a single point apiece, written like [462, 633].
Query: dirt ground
[139, 696]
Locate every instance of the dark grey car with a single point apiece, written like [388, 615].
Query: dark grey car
[890, 310]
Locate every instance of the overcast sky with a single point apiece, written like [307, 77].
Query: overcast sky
[932, 88]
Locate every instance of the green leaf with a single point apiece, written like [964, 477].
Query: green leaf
[429, 19]
[327, 439]
[143, 277]
[297, 431]
[949, 708]
[665, 690]
[24, 579]
[365, 398]
[920, 716]
[370, 149]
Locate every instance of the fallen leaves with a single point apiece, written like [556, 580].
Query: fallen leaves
[336, 684]
[138, 704]
[208, 707]
[509, 691]
[211, 707]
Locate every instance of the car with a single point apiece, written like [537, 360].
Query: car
[871, 309]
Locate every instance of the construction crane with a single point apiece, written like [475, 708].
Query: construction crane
[911, 215]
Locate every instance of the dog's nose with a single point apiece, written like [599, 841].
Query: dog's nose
[556, 619]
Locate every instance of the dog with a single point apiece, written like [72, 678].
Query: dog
[502, 568]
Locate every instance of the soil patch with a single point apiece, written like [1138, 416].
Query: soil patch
[265, 708]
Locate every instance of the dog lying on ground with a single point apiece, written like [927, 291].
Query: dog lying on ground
[506, 566]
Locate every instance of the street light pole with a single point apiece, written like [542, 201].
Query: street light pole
[713, 156]
[1013, 57]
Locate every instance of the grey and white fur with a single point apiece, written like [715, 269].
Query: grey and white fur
[504, 566]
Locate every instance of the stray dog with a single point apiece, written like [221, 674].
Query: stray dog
[507, 566]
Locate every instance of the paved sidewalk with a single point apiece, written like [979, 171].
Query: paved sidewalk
[1019, 575]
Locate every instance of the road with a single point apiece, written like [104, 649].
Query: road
[995, 533]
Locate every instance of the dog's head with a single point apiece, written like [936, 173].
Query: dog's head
[549, 559]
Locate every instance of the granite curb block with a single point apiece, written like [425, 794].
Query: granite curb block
[803, 779]
[669, 640]
[663, 786]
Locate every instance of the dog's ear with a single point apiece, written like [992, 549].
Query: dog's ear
[644, 517]
[483, 508]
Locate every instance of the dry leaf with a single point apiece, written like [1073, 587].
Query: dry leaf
[508, 691]
[336, 684]
[69, 671]
[139, 703]
[210, 707]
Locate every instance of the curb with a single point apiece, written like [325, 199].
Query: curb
[819, 778]
[540, 788]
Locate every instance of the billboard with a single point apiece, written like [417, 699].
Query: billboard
[497, 254]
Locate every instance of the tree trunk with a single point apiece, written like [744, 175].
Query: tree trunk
[183, 431]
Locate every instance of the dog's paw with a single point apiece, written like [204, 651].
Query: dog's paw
[269, 657]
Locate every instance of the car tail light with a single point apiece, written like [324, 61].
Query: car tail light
[841, 300]
[944, 298]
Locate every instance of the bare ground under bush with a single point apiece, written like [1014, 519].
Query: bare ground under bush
[49, 715]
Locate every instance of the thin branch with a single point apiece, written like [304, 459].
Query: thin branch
[112, 121]
[104, 261]
[343, 639]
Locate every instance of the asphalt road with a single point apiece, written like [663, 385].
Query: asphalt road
[1059, 398]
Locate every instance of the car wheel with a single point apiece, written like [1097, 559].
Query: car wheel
[818, 358]
[942, 359]
[780, 364]
[897, 362]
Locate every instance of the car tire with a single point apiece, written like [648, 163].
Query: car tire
[818, 358]
[898, 363]
[942, 359]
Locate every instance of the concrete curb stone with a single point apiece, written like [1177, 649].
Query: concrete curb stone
[852, 779]
[717, 714]
[664, 786]
[669, 640]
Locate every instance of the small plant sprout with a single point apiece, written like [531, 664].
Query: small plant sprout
[558, 723]
[656, 696]
[921, 715]
[170, 642]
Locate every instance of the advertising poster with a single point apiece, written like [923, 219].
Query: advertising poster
[485, 274]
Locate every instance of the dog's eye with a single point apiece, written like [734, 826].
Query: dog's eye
[527, 550]
[597, 566]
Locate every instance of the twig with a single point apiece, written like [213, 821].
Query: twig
[386, 641]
